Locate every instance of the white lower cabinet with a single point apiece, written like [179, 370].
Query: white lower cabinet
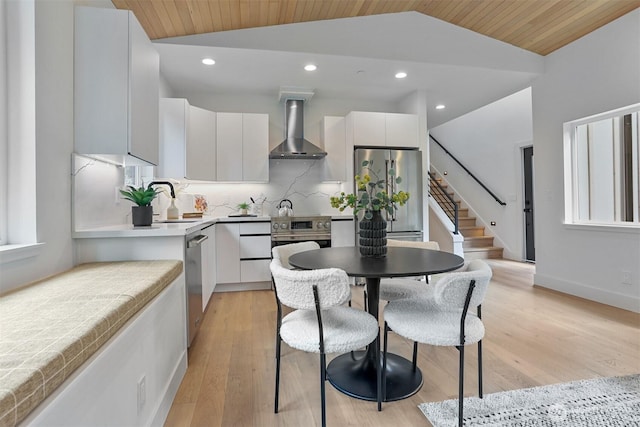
[255, 270]
[227, 253]
[243, 254]
[208, 265]
[343, 232]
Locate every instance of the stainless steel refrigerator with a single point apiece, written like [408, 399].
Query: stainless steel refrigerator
[406, 222]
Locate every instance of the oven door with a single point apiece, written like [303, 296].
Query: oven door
[281, 240]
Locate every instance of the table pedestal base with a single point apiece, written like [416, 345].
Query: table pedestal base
[357, 378]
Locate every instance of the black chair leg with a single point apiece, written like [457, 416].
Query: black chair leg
[384, 363]
[323, 377]
[415, 355]
[480, 368]
[461, 385]
[278, 341]
[378, 374]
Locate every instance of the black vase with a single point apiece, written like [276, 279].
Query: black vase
[373, 236]
[141, 215]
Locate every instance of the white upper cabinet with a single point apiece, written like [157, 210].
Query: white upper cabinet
[187, 141]
[201, 145]
[242, 141]
[116, 86]
[174, 116]
[401, 130]
[367, 128]
[229, 146]
[333, 135]
[382, 129]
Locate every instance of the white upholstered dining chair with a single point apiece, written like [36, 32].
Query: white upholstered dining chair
[443, 318]
[399, 288]
[284, 252]
[319, 322]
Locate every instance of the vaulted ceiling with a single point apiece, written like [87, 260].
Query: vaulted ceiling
[539, 26]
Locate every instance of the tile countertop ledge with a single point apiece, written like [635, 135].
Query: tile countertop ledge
[157, 229]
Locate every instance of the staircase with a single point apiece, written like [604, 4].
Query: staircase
[476, 245]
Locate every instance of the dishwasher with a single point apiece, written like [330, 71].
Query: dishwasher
[193, 279]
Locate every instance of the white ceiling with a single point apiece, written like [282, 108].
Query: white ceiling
[357, 58]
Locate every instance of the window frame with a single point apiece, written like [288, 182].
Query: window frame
[4, 134]
[571, 170]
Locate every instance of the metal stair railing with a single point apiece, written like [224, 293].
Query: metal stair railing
[444, 199]
[500, 202]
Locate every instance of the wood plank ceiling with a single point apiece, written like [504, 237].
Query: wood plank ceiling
[540, 26]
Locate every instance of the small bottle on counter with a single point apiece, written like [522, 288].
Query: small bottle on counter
[172, 210]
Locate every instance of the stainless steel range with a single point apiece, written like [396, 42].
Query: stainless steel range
[294, 229]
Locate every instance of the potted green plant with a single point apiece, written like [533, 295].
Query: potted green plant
[142, 213]
[373, 199]
[243, 207]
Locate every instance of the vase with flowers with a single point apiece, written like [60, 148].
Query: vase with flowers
[372, 198]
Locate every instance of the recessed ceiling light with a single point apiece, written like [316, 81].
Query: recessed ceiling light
[440, 107]
[401, 75]
[310, 67]
[208, 61]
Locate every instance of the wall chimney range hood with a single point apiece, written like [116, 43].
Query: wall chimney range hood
[295, 146]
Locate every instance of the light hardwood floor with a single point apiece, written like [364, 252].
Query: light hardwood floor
[533, 337]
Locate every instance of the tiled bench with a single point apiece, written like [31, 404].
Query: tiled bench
[50, 328]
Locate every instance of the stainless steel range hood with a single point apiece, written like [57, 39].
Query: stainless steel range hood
[295, 146]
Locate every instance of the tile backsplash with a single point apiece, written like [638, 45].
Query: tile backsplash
[95, 184]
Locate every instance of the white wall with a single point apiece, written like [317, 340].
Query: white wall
[488, 141]
[595, 74]
[53, 145]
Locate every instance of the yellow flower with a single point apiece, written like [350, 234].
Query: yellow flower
[371, 196]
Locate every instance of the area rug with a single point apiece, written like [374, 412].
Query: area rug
[609, 402]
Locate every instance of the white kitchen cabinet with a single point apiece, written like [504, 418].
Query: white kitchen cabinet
[382, 129]
[333, 135]
[227, 252]
[201, 145]
[229, 147]
[174, 116]
[116, 87]
[243, 255]
[343, 232]
[242, 141]
[187, 141]
[208, 264]
[401, 130]
[366, 128]
[255, 251]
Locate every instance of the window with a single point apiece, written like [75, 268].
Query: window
[602, 184]
[3, 126]
[18, 237]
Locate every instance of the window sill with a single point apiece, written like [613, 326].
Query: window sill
[12, 253]
[609, 228]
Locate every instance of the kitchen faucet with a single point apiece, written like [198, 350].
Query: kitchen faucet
[173, 194]
[172, 210]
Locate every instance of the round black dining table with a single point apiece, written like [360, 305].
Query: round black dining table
[355, 374]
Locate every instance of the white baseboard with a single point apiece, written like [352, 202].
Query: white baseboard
[626, 302]
[170, 393]
[249, 286]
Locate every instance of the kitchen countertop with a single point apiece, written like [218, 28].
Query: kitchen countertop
[161, 229]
